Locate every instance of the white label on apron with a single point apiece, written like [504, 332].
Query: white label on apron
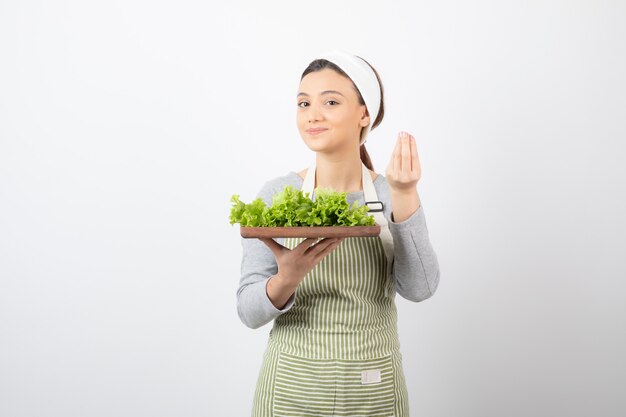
[371, 376]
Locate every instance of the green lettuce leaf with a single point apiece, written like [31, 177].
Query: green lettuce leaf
[292, 207]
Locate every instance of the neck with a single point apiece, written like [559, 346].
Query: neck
[340, 173]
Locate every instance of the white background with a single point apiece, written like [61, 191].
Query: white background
[125, 127]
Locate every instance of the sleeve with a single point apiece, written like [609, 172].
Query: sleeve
[257, 265]
[415, 265]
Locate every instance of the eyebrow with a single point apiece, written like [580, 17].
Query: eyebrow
[323, 92]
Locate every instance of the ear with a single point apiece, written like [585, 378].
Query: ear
[365, 118]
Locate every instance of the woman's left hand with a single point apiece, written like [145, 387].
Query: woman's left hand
[404, 171]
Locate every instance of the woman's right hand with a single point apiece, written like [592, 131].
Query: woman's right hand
[294, 264]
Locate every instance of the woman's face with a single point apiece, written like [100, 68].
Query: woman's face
[329, 115]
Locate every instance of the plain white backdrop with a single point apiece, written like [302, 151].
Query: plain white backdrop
[126, 126]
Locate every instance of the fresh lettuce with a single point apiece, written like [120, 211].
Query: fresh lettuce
[292, 207]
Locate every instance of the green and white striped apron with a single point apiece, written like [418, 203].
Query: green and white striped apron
[336, 351]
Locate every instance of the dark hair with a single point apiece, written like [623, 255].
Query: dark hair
[320, 64]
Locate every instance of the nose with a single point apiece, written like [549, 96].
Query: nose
[314, 113]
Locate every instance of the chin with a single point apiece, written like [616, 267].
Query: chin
[314, 148]
[316, 144]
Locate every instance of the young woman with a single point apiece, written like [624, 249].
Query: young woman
[333, 349]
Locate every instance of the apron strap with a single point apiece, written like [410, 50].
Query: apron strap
[309, 182]
[376, 208]
[371, 200]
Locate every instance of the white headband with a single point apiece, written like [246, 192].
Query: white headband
[363, 76]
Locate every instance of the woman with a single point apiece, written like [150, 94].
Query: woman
[333, 349]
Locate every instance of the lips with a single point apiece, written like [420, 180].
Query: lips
[315, 131]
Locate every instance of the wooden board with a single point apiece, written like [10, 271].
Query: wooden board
[310, 231]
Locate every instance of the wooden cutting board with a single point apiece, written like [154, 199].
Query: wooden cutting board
[310, 231]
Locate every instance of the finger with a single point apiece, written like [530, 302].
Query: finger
[390, 165]
[305, 244]
[406, 154]
[320, 246]
[397, 154]
[326, 251]
[415, 162]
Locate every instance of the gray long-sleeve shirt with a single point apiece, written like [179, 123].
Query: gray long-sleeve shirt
[415, 265]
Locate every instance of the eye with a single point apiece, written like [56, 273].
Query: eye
[332, 101]
[301, 104]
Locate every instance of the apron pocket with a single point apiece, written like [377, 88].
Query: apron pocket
[324, 387]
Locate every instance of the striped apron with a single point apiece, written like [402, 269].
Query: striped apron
[336, 351]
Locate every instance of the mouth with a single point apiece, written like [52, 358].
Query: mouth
[316, 131]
